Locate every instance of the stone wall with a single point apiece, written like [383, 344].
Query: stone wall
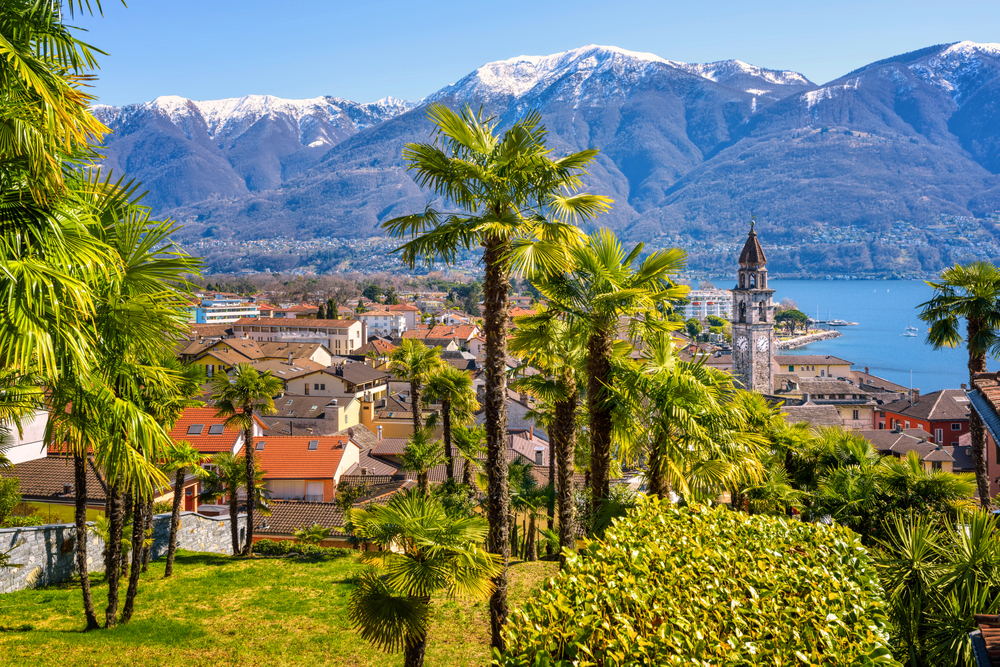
[802, 341]
[48, 556]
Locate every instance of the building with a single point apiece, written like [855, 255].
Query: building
[411, 313]
[899, 442]
[315, 352]
[28, 442]
[304, 468]
[702, 303]
[218, 310]
[444, 335]
[814, 365]
[984, 399]
[209, 434]
[753, 319]
[944, 414]
[854, 405]
[355, 379]
[341, 337]
[384, 322]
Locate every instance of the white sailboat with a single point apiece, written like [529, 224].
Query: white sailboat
[910, 332]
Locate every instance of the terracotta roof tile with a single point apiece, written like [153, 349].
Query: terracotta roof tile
[289, 457]
[294, 322]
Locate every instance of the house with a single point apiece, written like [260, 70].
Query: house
[28, 443]
[944, 414]
[300, 311]
[341, 337]
[452, 318]
[317, 352]
[722, 361]
[855, 406]
[383, 322]
[518, 406]
[343, 378]
[984, 398]
[817, 416]
[392, 416]
[411, 314]
[814, 365]
[463, 361]
[289, 372]
[208, 433]
[899, 442]
[517, 311]
[304, 468]
[223, 355]
[477, 346]
[877, 385]
[378, 351]
[221, 310]
[443, 335]
[702, 303]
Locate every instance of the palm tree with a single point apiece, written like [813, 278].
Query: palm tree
[240, 400]
[556, 348]
[970, 292]
[601, 289]
[225, 478]
[422, 552]
[470, 443]
[518, 204]
[422, 454]
[181, 458]
[416, 362]
[458, 403]
[314, 534]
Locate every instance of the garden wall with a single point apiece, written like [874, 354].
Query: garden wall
[48, 552]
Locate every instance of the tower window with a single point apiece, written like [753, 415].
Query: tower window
[753, 280]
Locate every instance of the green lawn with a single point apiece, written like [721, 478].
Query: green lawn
[219, 611]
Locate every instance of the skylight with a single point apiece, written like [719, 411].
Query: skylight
[195, 429]
[260, 445]
[216, 429]
[313, 445]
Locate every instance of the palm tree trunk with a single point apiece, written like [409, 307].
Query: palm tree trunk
[495, 295]
[467, 477]
[138, 533]
[654, 469]
[565, 423]
[250, 486]
[977, 364]
[423, 481]
[175, 523]
[80, 486]
[550, 503]
[114, 554]
[599, 349]
[234, 524]
[531, 546]
[418, 417]
[126, 518]
[413, 655]
[449, 462]
[147, 531]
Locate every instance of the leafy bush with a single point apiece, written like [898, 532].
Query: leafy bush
[10, 495]
[22, 521]
[695, 586]
[163, 507]
[282, 548]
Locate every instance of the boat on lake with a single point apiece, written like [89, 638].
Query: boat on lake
[910, 331]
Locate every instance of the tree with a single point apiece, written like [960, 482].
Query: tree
[602, 288]
[470, 444]
[422, 453]
[321, 315]
[391, 299]
[182, 458]
[10, 496]
[458, 404]
[968, 292]
[791, 318]
[371, 291]
[314, 534]
[250, 393]
[693, 326]
[422, 552]
[224, 480]
[332, 312]
[517, 203]
[416, 362]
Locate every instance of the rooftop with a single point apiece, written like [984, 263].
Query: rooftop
[946, 404]
[298, 457]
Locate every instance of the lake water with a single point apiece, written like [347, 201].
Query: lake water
[883, 310]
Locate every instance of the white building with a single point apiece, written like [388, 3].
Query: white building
[707, 302]
[29, 444]
[224, 311]
[384, 322]
[341, 337]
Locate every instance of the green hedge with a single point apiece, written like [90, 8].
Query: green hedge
[22, 521]
[671, 586]
[283, 547]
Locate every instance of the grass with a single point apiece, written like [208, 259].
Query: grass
[221, 611]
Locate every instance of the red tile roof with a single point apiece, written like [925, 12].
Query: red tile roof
[293, 322]
[404, 307]
[289, 457]
[206, 442]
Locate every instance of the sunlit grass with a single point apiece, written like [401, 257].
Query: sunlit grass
[216, 610]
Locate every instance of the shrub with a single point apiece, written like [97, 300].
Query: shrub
[695, 586]
[22, 521]
[282, 548]
[10, 495]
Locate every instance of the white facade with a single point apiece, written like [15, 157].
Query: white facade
[341, 338]
[30, 443]
[384, 322]
[709, 302]
[224, 311]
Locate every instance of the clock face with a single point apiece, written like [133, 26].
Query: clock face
[762, 343]
[741, 344]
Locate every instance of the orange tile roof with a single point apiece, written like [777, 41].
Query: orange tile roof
[289, 457]
[461, 332]
[206, 442]
[404, 306]
[517, 311]
[283, 321]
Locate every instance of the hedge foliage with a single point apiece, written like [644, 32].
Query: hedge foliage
[697, 586]
[22, 521]
[284, 547]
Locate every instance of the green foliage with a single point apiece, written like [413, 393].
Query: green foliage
[10, 495]
[163, 507]
[348, 493]
[22, 521]
[285, 547]
[670, 586]
[456, 498]
[693, 326]
[314, 534]
[716, 321]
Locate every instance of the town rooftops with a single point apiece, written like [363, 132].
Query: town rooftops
[282, 369]
[207, 432]
[875, 383]
[196, 330]
[817, 416]
[297, 350]
[52, 478]
[403, 307]
[294, 323]
[300, 457]
[443, 331]
[305, 407]
[288, 516]
[810, 360]
[943, 405]
[357, 373]
[378, 347]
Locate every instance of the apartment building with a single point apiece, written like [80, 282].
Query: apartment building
[717, 302]
[341, 337]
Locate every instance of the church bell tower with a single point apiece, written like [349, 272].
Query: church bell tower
[753, 319]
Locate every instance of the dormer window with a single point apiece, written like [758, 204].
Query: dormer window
[260, 446]
[195, 429]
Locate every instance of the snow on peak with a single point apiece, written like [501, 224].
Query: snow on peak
[958, 69]
[814, 97]
[967, 48]
[725, 71]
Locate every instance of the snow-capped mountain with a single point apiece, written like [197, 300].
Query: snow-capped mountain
[686, 149]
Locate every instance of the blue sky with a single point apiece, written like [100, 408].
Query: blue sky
[364, 50]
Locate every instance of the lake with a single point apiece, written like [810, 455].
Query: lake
[883, 309]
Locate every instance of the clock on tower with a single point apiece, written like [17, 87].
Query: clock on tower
[753, 319]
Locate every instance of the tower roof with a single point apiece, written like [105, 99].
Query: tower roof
[752, 255]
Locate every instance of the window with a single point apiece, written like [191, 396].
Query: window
[791, 369]
[936, 465]
[855, 414]
[313, 445]
[195, 429]
[956, 426]
[939, 435]
[216, 429]
[260, 446]
[907, 424]
[538, 457]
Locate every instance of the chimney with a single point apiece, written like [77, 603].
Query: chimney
[289, 358]
[379, 432]
[67, 489]
[866, 371]
[531, 432]
[964, 387]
